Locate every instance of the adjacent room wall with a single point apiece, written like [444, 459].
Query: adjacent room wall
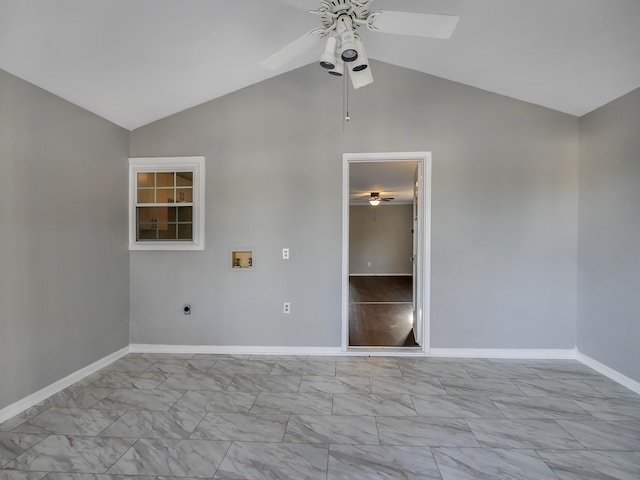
[609, 235]
[380, 236]
[504, 218]
[63, 243]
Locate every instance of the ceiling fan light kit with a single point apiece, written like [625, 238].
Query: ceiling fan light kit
[362, 61]
[360, 78]
[340, 21]
[328, 58]
[338, 69]
[375, 199]
[344, 28]
[348, 52]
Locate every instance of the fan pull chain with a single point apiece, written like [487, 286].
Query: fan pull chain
[345, 103]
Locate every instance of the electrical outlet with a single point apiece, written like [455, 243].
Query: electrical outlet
[286, 307]
[285, 254]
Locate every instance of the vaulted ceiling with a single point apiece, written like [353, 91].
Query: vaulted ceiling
[136, 61]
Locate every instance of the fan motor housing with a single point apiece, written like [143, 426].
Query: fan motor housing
[353, 8]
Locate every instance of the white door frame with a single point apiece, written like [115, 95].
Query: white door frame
[424, 242]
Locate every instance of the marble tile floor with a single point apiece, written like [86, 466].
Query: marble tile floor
[158, 417]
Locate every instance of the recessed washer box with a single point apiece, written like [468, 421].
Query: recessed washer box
[242, 259]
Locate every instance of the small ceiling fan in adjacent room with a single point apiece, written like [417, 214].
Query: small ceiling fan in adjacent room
[374, 198]
[344, 49]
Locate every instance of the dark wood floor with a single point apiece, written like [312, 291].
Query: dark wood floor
[380, 311]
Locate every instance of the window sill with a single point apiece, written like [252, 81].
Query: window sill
[172, 246]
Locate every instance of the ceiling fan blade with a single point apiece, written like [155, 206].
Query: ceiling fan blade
[303, 4]
[416, 24]
[361, 78]
[295, 48]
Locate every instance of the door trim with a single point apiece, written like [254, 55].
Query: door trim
[424, 241]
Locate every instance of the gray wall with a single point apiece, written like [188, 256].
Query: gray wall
[64, 299]
[382, 236]
[609, 235]
[504, 219]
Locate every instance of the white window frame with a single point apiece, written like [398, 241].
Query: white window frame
[193, 164]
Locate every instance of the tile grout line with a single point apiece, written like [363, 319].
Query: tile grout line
[536, 451]
[120, 457]
[222, 459]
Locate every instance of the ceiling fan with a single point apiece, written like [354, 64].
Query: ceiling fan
[340, 21]
[375, 199]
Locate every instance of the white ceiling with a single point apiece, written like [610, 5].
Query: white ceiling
[389, 179]
[135, 61]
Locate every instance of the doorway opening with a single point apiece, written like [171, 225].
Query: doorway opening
[385, 251]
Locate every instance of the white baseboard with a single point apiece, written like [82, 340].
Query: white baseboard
[234, 349]
[44, 393]
[258, 350]
[381, 275]
[523, 353]
[353, 351]
[609, 372]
